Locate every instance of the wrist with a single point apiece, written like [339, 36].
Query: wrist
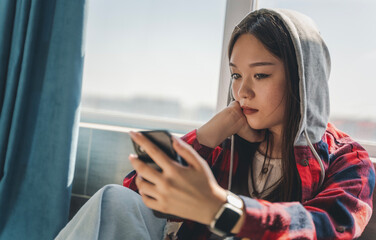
[219, 198]
[217, 129]
[229, 218]
[235, 119]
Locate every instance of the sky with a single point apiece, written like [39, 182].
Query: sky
[165, 48]
[172, 49]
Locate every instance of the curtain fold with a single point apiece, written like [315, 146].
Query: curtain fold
[41, 60]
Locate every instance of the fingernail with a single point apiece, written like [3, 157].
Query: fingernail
[176, 141]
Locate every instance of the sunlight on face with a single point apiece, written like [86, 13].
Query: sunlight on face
[258, 83]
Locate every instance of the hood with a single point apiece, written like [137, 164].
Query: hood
[314, 69]
[313, 60]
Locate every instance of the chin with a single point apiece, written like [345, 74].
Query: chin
[256, 125]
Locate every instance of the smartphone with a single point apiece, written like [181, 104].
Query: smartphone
[163, 140]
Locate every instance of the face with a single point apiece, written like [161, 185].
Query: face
[258, 83]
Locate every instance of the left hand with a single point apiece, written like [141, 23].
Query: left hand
[189, 192]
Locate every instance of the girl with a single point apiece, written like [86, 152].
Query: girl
[286, 173]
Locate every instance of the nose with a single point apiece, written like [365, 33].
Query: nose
[246, 89]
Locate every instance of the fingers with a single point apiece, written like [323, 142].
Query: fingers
[145, 170]
[244, 130]
[148, 193]
[153, 195]
[146, 188]
[150, 202]
[236, 105]
[159, 157]
[188, 153]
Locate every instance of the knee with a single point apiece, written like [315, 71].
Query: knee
[117, 200]
[117, 193]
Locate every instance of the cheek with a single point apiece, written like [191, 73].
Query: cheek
[278, 103]
[274, 99]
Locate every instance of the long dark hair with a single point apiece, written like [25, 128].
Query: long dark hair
[271, 31]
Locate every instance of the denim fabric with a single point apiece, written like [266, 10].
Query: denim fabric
[114, 212]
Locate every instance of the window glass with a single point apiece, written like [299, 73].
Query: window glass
[153, 58]
[349, 31]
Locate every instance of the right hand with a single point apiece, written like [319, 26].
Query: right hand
[227, 122]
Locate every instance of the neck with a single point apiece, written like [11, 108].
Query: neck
[275, 145]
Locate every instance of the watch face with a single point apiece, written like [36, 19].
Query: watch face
[227, 220]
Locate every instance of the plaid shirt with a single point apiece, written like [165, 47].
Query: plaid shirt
[339, 209]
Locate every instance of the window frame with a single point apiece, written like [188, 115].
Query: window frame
[370, 148]
[235, 12]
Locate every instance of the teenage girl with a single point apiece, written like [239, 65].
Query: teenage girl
[268, 166]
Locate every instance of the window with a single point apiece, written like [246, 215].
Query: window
[151, 60]
[142, 60]
[347, 29]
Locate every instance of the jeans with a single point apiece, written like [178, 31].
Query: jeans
[114, 212]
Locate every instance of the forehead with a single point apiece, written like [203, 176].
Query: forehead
[248, 47]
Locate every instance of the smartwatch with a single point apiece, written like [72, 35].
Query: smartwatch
[227, 216]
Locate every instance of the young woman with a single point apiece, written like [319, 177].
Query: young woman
[286, 174]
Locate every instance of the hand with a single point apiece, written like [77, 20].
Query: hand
[242, 127]
[189, 192]
[227, 122]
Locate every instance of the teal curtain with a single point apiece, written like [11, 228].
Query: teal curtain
[41, 60]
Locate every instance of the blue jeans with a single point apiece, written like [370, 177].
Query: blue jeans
[114, 212]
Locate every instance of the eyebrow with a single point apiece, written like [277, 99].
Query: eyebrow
[255, 64]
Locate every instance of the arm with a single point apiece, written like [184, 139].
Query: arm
[206, 139]
[189, 192]
[227, 122]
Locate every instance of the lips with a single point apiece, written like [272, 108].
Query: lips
[248, 110]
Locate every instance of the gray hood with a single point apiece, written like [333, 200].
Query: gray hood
[314, 68]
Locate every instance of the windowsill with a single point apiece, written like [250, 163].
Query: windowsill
[115, 128]
[119, 121]
[369, 146]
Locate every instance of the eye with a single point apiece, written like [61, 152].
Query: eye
[261, 76]
[235, 76]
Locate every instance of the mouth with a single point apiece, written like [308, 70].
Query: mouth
[248, 110]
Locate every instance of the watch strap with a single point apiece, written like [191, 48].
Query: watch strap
[227, 216]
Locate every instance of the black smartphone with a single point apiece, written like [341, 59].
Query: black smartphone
[163, 140]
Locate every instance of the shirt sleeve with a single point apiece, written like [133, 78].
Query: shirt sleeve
[207, 153]
[340, 210]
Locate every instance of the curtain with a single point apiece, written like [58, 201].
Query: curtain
[41, 60]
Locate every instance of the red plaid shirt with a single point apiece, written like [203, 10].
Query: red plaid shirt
[339, 209]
